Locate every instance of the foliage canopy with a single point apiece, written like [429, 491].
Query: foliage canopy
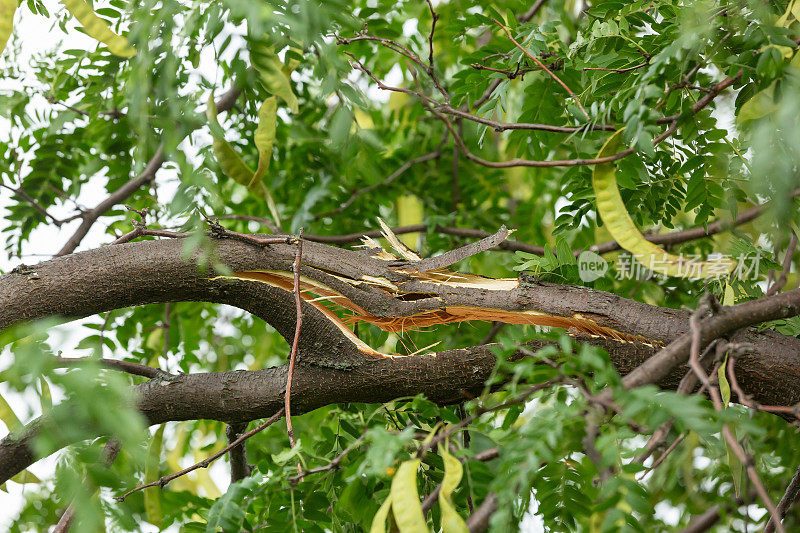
[423, 114]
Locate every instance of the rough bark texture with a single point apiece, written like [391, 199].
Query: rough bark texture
[331, 369]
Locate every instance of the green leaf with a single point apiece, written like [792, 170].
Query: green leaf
[228, 512]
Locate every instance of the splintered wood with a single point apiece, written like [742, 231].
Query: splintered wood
[428, 271]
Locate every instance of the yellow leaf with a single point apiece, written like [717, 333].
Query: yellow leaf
[450, 521]
[46, 397]
[152, 495]
[97, 28]
[612, 210]
[406, 506]
[7, 10]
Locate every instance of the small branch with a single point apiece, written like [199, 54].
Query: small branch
[434, 18]
[788, 499]
[543, 67]
[727, 320]
[219, 231]
[140, 231]
[89, 217]
[510, 74]
[293, 356]
[128, 367]
[785, 267]
[744, 458]
[532, 11]
[161, 482]
[479, 521]
[333, 465]
[22, 193]
[704, 522]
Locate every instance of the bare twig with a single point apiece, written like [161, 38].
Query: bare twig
[744, 458]
[543, 67]
[333, 465]
[704, 522]
[22, 193]
[123, 366]
[219, 231]
[293, 356]
[161, 482]
[479, 521]
[788, 499]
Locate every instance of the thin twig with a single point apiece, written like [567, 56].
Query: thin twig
[128, 367]
[727, 434]
[543, 67]
[789, 497]
[479, 521]
[161, 482]
[89, 217]
[333, 465]
[293, 356]
[704, 522]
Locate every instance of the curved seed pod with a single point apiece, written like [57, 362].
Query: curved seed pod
[612, 210]
[450, 522]
[272, 73]
[97, 28]
[230, 162]
[265, 135]
[379, 520]
[7, 10]
[406, 506]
